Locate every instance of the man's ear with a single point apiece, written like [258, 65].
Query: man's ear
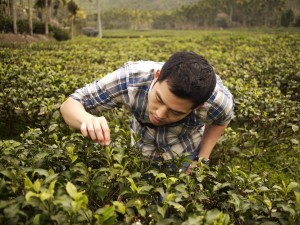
[198, 107]
[157, 74]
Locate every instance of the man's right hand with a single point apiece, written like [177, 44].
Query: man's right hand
[97, 128]
[75, 116]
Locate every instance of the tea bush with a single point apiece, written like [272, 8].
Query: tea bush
[50, 174]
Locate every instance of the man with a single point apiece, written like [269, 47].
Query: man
[170, 104]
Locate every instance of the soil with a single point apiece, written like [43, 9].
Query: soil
[21, 38]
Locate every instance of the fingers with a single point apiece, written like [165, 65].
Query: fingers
[190, 167]
[97, 128]
[188, 171]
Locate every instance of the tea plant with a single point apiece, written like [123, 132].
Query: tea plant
[50, 174]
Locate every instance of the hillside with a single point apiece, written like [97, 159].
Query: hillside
[90, 7]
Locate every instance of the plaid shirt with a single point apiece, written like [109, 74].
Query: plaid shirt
[130, 86]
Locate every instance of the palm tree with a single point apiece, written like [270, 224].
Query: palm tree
[46, 5]
[72, 9]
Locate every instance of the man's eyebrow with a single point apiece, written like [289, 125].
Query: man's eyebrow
[176, 111]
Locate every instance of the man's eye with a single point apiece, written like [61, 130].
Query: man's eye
[158, 99]
[177, 113]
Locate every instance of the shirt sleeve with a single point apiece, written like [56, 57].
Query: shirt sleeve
[221, 111]
[105, 93]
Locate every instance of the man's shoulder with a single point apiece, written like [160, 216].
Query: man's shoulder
[220, 93]
[139, 72]
[142, 66]
[219, 107]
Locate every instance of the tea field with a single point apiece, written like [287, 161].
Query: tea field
[50, 174]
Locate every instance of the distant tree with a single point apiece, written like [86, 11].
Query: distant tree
[30, 17]
[99, 24]
[228, 7]
[47, 16]
[164, 20]
[5, 7]
[116, 18]
[45, 5]
[14, 16]
[287, 18]
[72, 9]
[56, 5]
[270, 12]
[201, 14]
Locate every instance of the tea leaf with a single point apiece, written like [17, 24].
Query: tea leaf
[177, 206]
[120, 206]
[73, 158]
[51, 187]
[295, 141]
[41, 172]
[292, 186]
[29, 195]
[160, 175]
[8, 173]
[37, 219]
[212, 215]
[36, 186]
[295, 128]
[220, 186]
[44, 196]
[297, 195]
[106, 213]
[71, 189]
[170, 197]
[162, 210]
[28, 184]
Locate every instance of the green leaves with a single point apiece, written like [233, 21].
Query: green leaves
[36, 189]
[50, 174]
[79, 200]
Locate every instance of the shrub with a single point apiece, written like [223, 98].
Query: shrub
[38, 27]
[59, 34]
[297, 23]
[6, 24]
[287, 18]
[23, 26]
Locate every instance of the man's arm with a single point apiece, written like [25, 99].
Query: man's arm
[211, 135]
[77, 117]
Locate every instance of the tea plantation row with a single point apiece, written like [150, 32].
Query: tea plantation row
[50, 174]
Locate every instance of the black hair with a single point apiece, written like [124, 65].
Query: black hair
[189, 76]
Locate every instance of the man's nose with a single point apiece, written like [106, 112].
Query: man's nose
[161, 112]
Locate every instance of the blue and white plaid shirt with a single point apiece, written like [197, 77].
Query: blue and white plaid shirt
[130, 86]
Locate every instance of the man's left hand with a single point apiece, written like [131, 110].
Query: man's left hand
[191, 166]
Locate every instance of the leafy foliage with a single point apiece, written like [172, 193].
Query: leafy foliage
[50, 174]
[38, 27]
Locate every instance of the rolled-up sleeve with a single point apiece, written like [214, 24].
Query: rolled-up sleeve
[105, 93]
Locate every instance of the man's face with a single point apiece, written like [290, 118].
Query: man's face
[165, 107]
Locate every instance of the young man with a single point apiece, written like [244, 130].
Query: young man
[180, 106]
